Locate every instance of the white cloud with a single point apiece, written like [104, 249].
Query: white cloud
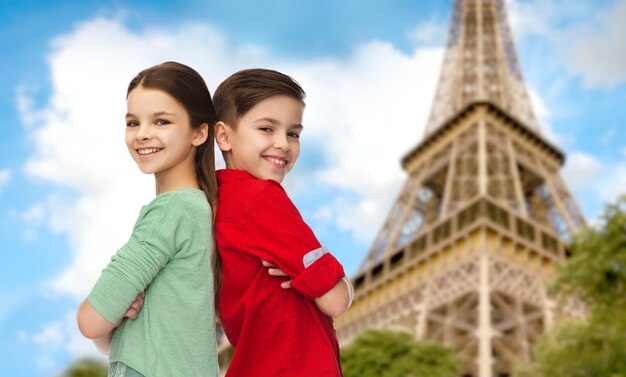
[585, 173]
[544, 17]
[429, 32]
[608, 136]
[50, 336]
[363, 113]
[78, 135]
[613, 184]
[542, 113]
[363, 218]
[590, 40]
[58, 337]
[366, 113]
[581, 172]
[33, 218]
[323, 214]
[367, 117]
[35, 213]
[5, 176]
[597, 48]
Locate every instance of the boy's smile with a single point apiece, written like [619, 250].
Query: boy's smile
[265, 142]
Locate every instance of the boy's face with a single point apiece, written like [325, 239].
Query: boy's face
[266, 140]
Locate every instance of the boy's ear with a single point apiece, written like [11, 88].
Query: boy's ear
[201, 135]
[222, 136]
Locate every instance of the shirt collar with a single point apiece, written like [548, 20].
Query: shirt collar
[230, 175]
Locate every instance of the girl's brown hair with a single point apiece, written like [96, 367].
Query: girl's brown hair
[189, 89]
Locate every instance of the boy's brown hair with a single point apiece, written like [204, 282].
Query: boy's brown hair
[236, 95]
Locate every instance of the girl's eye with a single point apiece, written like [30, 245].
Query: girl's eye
[294, 135]
[162, 122]
[132, 123]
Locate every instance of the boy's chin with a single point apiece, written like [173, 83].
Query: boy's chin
[273, 177]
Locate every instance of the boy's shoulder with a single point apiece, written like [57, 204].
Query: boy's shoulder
[245, 186]
[248, 193]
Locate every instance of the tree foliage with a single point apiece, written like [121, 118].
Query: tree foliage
[596, 271]
[595, 274]
[86, 368]
[379, 353]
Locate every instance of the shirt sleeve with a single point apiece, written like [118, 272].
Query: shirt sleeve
[277, 233]
[152, 244]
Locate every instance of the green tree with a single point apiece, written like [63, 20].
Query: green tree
[595, 274]
[86, 368]
[379, 353]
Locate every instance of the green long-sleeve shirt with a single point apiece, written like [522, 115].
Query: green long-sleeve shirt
[169, 256]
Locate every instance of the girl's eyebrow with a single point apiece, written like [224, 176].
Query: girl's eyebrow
[158, 113]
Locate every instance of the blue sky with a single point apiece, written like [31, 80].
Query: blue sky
[69, 193]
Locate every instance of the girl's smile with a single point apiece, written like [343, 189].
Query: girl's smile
[148, 151]
[159, 136]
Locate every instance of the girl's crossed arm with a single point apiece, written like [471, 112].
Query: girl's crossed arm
[97, 328]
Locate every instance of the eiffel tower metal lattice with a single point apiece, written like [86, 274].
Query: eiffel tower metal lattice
[482, 220]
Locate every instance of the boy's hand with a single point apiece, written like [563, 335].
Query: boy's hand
[275, 271]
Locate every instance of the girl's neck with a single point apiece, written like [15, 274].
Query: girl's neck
[181, 180]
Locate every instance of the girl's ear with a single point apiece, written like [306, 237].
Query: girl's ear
[201, 135]
[222, 136]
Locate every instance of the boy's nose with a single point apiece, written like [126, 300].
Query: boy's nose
[281, 142]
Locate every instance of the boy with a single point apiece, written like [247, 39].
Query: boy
[274, 332]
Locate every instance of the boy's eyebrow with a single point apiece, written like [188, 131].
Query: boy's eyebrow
[268, 119]
[274, 121]
[158, 113]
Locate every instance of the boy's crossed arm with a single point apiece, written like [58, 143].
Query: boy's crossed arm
[277, 234]
[333, 303]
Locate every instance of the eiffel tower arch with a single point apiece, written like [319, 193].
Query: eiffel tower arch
[481, 222]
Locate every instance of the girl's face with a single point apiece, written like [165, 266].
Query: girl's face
[159, 136]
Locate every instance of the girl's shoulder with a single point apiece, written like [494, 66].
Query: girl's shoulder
[181, 202]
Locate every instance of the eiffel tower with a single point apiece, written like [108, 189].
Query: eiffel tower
[483, 218]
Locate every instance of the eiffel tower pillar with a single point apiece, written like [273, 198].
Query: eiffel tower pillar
[485, 360]
[481, 222]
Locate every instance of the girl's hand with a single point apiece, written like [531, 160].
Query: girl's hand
[134, 308]
[275, 271]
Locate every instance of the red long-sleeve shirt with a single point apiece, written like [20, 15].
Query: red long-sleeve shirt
[275, 332]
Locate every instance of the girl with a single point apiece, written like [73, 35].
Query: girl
[169, 120]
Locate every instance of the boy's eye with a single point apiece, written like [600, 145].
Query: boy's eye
[132, 123]
[162, 122]
[265, 129]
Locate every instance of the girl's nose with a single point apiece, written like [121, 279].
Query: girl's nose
[143, 132]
